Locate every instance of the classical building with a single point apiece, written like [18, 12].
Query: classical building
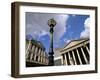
[76, 52]
[35, 54]
[57, 57]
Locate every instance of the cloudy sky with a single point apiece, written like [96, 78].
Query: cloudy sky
[68, 27]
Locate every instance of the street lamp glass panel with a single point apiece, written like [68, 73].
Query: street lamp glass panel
[51, 22]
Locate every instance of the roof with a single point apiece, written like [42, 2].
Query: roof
[75, 42]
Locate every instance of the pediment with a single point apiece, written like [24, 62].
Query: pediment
[74, 42]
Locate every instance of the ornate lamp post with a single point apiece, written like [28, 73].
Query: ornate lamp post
[51, 23]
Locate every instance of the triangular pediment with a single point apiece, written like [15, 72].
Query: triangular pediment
[74, 42]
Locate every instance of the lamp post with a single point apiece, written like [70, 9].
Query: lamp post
[51, 23]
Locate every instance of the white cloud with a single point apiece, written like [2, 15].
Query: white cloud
[36, 24]
[86, 32]
[67, 41]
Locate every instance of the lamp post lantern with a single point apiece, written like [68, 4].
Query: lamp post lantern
[51, 23]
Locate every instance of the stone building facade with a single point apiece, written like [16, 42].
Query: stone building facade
[57, 57]
[76, 52]
[35, 54]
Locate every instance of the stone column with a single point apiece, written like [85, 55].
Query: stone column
[79, 56]
[44, 57]
[65, 61]
[69, 57]
[33, 48]
[35, 53]
[45, 60]
[84, 56]
[74, 58]
[39, 54]
[62, 60]
[87, 49]
[28, 49]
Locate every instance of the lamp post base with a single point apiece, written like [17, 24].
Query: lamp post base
[51, 60]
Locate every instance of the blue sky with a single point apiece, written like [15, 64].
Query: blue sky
[69, 27]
